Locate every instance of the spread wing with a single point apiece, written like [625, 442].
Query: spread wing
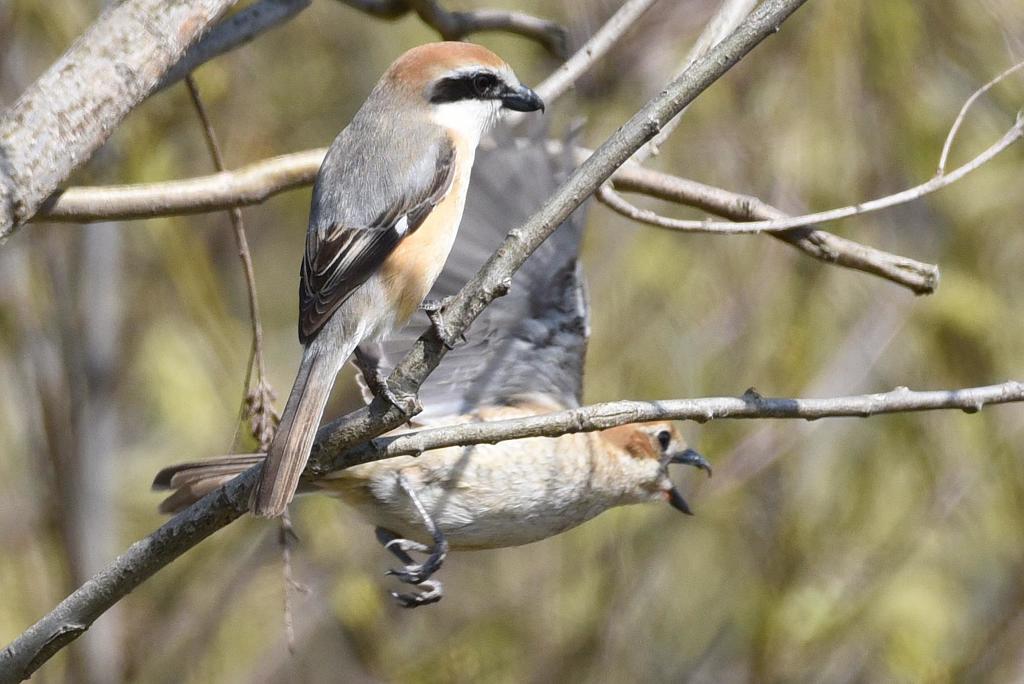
[530, 344]
[343, 248]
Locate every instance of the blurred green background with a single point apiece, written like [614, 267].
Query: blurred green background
[886, 549]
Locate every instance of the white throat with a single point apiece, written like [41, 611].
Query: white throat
[468, 119]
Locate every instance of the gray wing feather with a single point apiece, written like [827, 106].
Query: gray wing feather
[532, 342]
[373, 189]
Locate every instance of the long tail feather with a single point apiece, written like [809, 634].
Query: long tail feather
[192, 481]
[290, 448]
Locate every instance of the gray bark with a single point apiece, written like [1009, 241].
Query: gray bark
[56, 125]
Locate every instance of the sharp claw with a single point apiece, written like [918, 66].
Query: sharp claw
[433, 592]
[433, 309]
[407, 404]
[407, 545]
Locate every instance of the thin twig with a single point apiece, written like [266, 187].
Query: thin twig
[955, 128]
[452, 25]
[259, 400]
[918, 277]
[596, 47]
[75, 613]
[285, 537]
[775, 225]
[721, 24]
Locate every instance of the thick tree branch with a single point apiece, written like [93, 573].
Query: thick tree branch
[81, 608]
[56, 125]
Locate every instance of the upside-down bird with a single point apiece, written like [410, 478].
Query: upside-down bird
[387, 204]
[524, 357]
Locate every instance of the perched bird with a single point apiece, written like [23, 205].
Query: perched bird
[524, 356]
[387, 204]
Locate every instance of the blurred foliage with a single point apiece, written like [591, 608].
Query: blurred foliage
[840, 550]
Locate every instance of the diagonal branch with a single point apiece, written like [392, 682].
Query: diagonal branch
[730, 13]
[62, 118]
[74, 615]
[596, 47]
[235, 31]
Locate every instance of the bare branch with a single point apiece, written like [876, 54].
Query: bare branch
[74, 615]
[457, 25]
[721, 24]
[775, 225]
[233, 32]
[251, 184]
[258, 401]
[56, 125]
[750, 405]
[918, 277]
[256, 182]
[955, 128]
[596, 47]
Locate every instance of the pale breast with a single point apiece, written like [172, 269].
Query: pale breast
[485, 496]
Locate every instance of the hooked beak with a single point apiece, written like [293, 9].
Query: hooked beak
[685, 457]
[522, 99]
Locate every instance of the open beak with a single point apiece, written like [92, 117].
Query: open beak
[691, 458]
[522, 99]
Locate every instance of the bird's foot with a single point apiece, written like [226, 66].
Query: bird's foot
[407, 403]
[413, 573]
[434, 309]
[369, 365]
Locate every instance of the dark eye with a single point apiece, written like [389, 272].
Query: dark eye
[664, 439]
[483, 83]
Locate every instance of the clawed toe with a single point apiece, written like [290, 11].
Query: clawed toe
[406, 545]
[408, 404]
[417, 573]
[431, 591]
[413, 573]
[433, 309]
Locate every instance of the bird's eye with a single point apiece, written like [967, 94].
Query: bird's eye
[664, 439]
[483, 83]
